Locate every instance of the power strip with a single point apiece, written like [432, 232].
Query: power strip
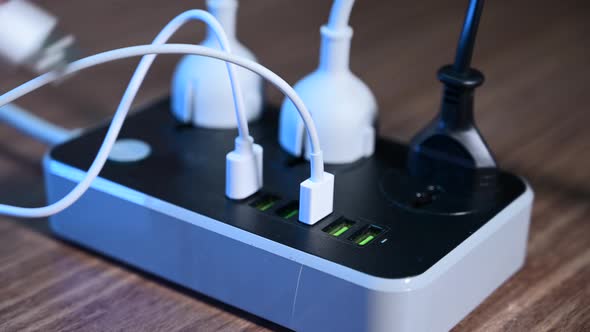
[387, 259]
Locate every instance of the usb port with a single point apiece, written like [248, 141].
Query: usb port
[339, 227]
[290, 210]
[265, 202]
[366, 235]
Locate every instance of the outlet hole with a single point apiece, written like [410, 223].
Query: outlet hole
[426, 197]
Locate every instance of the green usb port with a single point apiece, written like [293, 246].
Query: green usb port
[366, 235]
[288, 211]
[339, 227]
[265, 202]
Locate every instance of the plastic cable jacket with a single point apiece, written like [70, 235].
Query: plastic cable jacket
[125, 104]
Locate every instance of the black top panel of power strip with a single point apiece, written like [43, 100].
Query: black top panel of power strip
[187, 168]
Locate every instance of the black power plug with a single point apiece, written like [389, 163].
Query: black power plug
[450, 151]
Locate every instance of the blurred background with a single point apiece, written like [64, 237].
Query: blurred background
[533, 109]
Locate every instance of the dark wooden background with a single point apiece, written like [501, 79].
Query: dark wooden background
[534, 110]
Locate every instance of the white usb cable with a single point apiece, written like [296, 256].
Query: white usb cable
[249, 157]
[316, 193]
[29, 38]
[33, 126]
[245, 162]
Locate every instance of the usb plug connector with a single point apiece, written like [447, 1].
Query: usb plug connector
[316, 199]
[243, 171]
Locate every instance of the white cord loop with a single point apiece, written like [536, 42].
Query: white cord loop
[123, 109]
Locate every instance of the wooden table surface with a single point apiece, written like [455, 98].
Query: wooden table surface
[534, 110]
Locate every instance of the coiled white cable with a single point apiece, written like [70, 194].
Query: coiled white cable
[317, 165]
[125, 105]
[52, 134]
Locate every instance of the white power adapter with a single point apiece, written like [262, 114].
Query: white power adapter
[201, 90]
[342, 106]
[29, 37]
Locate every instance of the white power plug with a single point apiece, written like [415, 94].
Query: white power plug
[201, 90]
[342, 106]
[24, 28]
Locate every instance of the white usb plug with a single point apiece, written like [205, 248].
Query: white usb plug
[243, 169]
[316, 194]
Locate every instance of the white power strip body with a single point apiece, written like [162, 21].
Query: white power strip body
[277, 282]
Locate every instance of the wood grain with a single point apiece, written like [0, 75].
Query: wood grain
[534, 110]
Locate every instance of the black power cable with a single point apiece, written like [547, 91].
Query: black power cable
[467, 39]
[450, 151]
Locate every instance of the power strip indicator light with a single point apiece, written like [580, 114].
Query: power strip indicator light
[289, 211]
[366, 235]
[265, 202]
[339, 227]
